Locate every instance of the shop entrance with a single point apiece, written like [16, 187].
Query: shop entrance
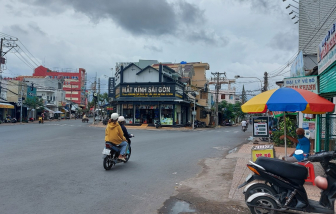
[147, 116]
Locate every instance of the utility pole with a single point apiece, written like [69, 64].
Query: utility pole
[98, 96]
[265, 81]
[219, 80]
[94, 99]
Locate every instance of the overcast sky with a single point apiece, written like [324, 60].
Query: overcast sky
[239, 37]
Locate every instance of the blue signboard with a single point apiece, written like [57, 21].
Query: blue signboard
[31, 92]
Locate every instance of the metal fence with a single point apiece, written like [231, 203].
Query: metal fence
[327, 134]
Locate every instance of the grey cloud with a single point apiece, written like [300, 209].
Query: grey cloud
[153, 48]
[17, 30]
[286, 41]
[208, 38]
[264, 6]
[36, 29]
[189, 13]
[140, 17]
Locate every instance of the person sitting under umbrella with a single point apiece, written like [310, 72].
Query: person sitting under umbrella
[302, 144]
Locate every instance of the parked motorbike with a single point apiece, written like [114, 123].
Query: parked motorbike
[158, 124]
[13, 120]
[40, 120]
[111, 153]
[188, 124]
[283, 189]
[31, 119]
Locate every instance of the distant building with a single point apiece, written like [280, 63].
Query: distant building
[74, 83]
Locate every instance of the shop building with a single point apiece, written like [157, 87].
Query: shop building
[326, 58]
[193, 74]
[146, 95]
[74, 83]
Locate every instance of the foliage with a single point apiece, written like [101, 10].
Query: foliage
[290, 131]
[103, 99]
[244, 97]
[231, 111]
[34, 103]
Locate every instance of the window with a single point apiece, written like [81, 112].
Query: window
[223, 96]
[231, 97]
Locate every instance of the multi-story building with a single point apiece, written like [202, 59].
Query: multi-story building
[228, 95]
[15, 90]
[74, 83]
[194, 75]
[50, 90]
[146, 95]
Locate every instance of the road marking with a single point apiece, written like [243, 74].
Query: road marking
[236, 131]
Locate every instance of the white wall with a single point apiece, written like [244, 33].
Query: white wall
[148, 75]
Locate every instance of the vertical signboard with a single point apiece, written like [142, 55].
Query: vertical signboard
[260, 127]
[111, 86]
[297, 69]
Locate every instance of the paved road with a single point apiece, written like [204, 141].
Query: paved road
[57, 167]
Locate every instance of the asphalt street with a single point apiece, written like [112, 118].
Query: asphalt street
[57, 167]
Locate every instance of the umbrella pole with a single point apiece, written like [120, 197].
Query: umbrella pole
[284, 118]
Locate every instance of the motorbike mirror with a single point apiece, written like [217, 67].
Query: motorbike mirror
[298, 152]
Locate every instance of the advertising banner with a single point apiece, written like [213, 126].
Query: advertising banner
[297, 69]
[308, 83]
[262, 151]
[111, 85]
[260, 127]
[148, 90]
[326, 51]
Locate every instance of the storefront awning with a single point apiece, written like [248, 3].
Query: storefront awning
[49, 110]
[6, 105]
[64, 110]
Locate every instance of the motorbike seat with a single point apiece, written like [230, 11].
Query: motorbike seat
[285, 169]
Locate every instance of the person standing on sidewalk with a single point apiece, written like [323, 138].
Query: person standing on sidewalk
[303, 144]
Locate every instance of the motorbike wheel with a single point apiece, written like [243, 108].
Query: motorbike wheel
[108, 162]
[264, 201]
[259, 187]
[128, 155]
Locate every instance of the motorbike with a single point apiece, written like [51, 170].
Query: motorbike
[40, 120]
[111, 153]
[188, 124]
[31, 119]
[282, 188]
[158, 124]
[13, 120]
[244, 128]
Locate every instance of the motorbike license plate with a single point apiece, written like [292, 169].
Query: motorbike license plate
[106, 151]
[248, 177]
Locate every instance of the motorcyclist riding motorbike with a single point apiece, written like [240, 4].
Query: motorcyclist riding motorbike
[115, 135]
[244, 124]
[121, 121]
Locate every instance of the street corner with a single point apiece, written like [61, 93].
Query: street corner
[208, 192]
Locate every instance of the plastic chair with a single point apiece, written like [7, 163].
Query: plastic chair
[311, 172]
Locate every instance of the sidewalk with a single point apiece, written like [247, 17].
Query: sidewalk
[241, 171]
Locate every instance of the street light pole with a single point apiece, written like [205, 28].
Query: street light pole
[237, 76]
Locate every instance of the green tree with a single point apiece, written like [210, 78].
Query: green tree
[34, 103]
[103, 99]
[244, 97]
[290, 131]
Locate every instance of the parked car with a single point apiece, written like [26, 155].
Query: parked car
[227, 123]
